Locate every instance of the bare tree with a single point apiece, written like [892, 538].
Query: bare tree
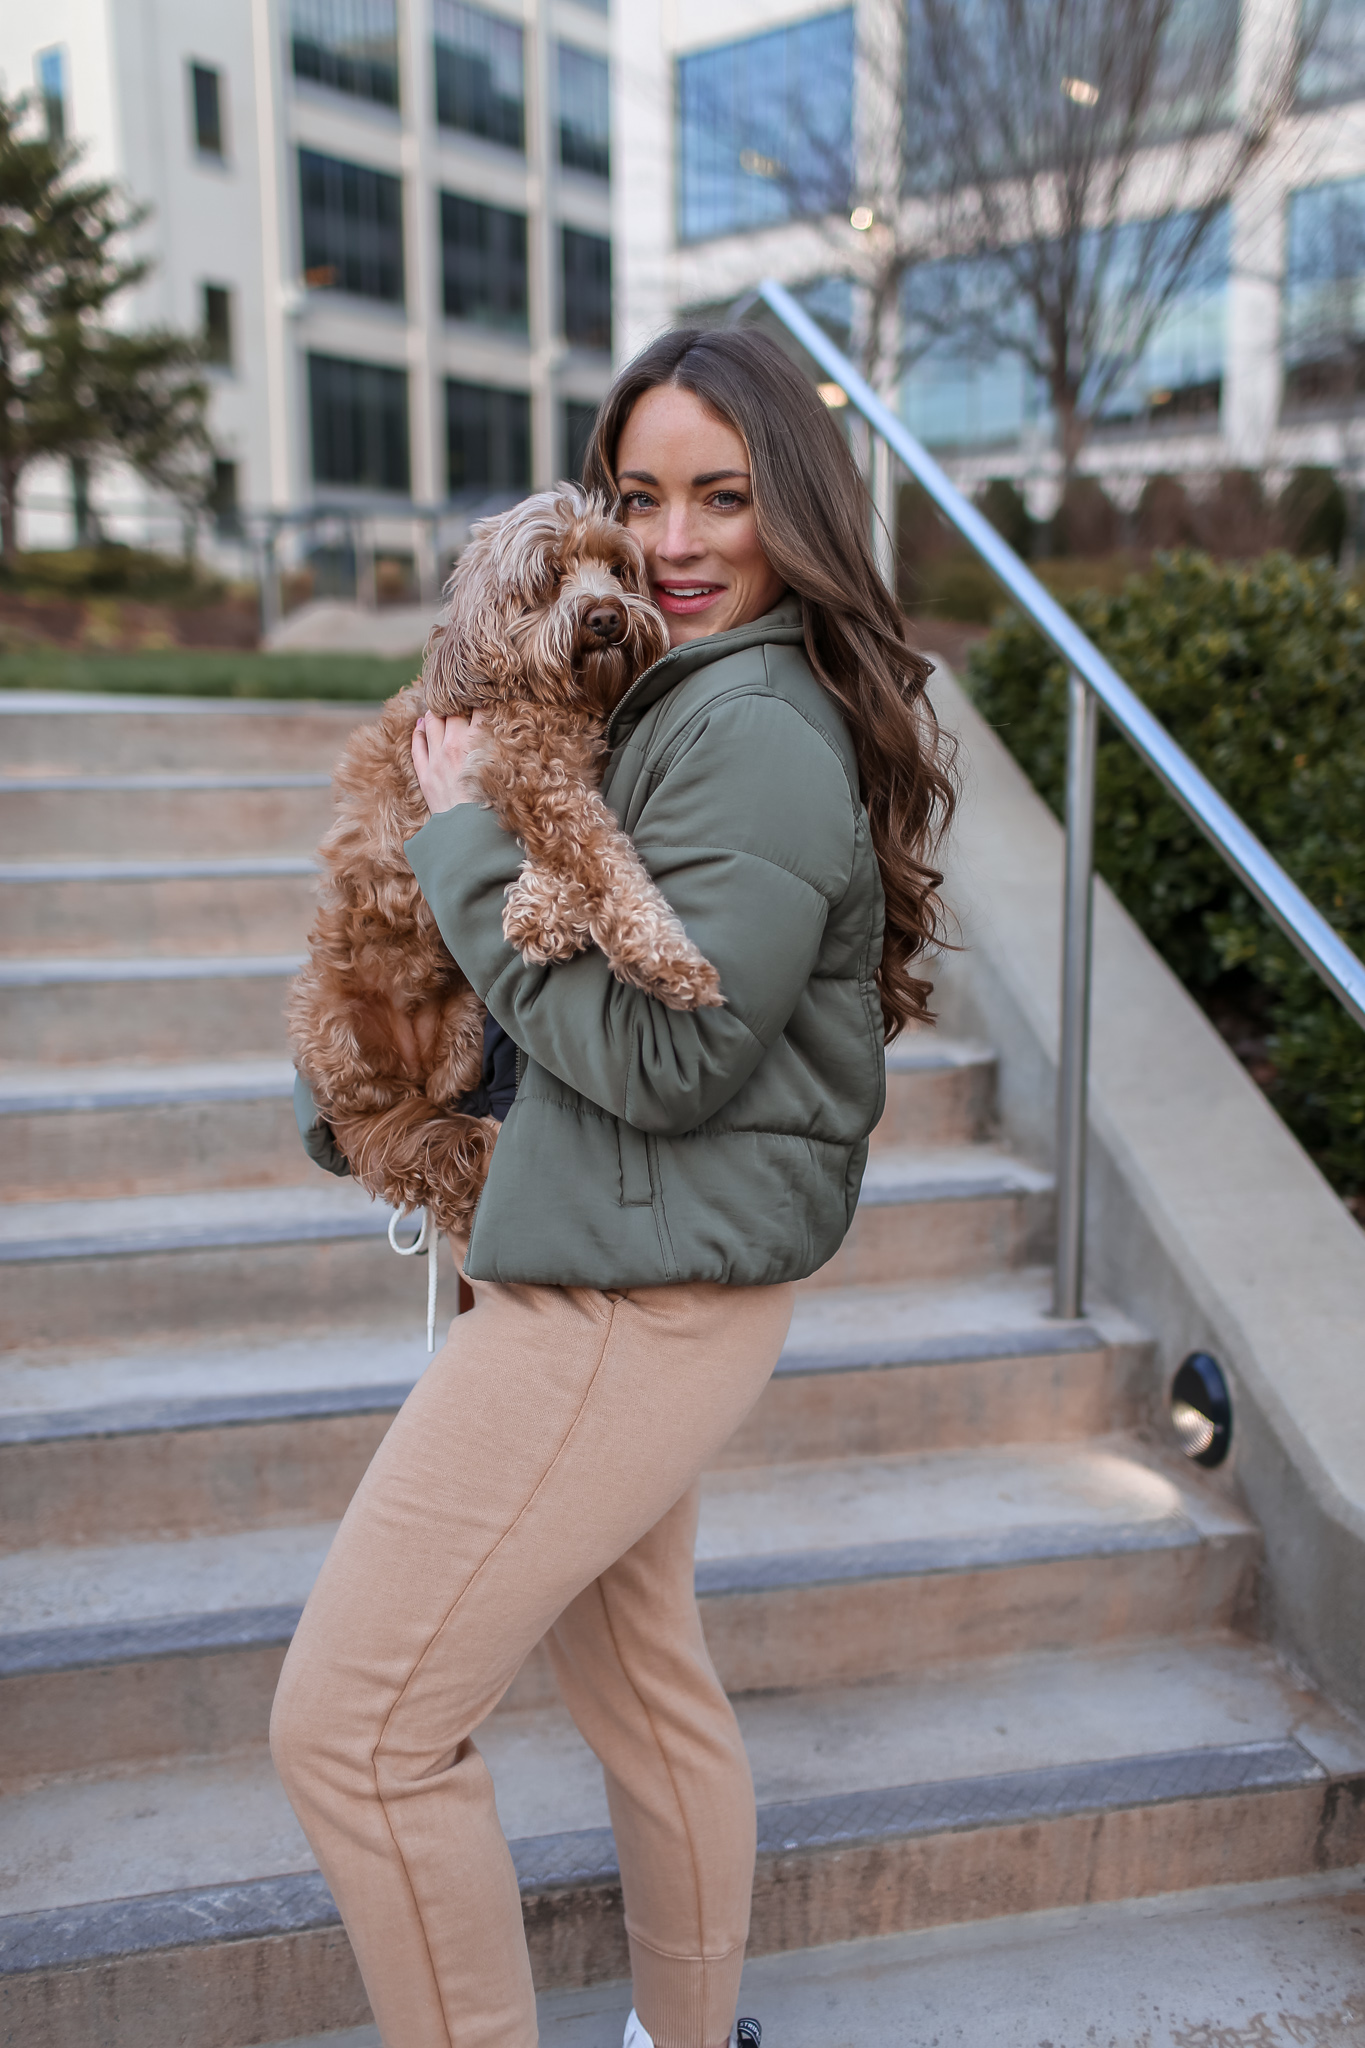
[822, 148]
[1081, 155]
[1042, 179]
[884, 230]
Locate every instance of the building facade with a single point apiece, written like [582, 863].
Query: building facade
[1259, 363]
[389, 219]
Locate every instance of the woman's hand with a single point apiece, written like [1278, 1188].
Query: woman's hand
[441, 754]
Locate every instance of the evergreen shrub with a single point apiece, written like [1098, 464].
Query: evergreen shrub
[1003, 504]
[1259, 672]
[1313, 513]
[112, 570]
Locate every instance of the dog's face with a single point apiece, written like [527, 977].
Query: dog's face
[549, 604]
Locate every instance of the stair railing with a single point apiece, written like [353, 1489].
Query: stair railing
[1092, 683]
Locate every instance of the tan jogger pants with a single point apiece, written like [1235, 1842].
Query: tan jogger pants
[542, 1476]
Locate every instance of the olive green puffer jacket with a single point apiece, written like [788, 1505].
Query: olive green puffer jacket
[649, 1145]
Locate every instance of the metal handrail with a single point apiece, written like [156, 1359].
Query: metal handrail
[1092, 682]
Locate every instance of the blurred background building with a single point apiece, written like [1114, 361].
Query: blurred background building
[1259, 364]
[389, 219]
[415, 233]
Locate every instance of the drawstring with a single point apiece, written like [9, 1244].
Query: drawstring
[428, 1240]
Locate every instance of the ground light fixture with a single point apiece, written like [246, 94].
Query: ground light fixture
[1201, 1409]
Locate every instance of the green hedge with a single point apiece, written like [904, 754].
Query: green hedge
[1259, 672]
[190, 672]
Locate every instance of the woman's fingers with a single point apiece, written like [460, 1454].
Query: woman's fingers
[439, 747]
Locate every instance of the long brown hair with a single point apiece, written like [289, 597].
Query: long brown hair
[814, 519]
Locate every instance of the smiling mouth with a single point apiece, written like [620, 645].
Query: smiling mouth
[686, 597]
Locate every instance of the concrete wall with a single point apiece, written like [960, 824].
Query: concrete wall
[1205, 1219]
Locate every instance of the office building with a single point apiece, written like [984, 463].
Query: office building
[390, 221]
[1259, 363]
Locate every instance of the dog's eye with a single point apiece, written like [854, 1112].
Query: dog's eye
[618, 570]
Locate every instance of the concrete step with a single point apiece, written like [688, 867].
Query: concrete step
[75, 1011]
[162, 908]
[209, 1440]
[162, 817]
[135, 1266]
[185, 1897]
[181, 1127]
[927, 1212]
[939, 1091]
[59, 733]
[83, 1132]
[809, 1574]
[1183, 1970]
[143, 1264]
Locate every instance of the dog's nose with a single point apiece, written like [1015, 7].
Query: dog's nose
[606, 622]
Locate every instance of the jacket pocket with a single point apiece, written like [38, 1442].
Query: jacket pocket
[632, 1147]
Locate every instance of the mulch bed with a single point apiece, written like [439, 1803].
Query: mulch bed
[123, 625]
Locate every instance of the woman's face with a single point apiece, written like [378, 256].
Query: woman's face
[685, 487]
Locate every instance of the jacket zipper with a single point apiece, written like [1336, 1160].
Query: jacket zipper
[635, 687]
[653, 670]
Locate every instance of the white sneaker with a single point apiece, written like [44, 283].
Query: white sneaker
[747, 2034]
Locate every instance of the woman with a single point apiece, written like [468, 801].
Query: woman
[662, 1181]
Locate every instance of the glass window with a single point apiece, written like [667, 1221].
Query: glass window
[765, 128]
[483, 263]
[584, 112]
[1324, 296]
[352, 228]
[1179, 374]
[359, 415]
[488, 438]
[223, 505]
[968, 389]
[217, 325]
[1335, 67]
[480, 73]
[959, 392]
[580, 417]
[587, 289]
[349, 45]
[50, 66]
[205, 87]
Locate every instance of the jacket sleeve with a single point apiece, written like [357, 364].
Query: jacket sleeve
[749, 832]
[316, 1132]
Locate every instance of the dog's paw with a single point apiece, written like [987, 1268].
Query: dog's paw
[543, 917]
[669, 968]
[688, 982]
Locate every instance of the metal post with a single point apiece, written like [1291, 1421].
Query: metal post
[883, 470]
[366, 576]
[268, 573]
[1073, 1064]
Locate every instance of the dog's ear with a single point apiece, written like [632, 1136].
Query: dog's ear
[466, 652]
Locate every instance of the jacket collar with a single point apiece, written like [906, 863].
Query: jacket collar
[782, 626]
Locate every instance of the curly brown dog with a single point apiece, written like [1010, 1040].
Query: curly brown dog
[549, 623]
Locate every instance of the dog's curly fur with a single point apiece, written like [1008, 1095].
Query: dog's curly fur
[549, 623]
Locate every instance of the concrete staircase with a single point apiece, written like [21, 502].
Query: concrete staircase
[993, 1642]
